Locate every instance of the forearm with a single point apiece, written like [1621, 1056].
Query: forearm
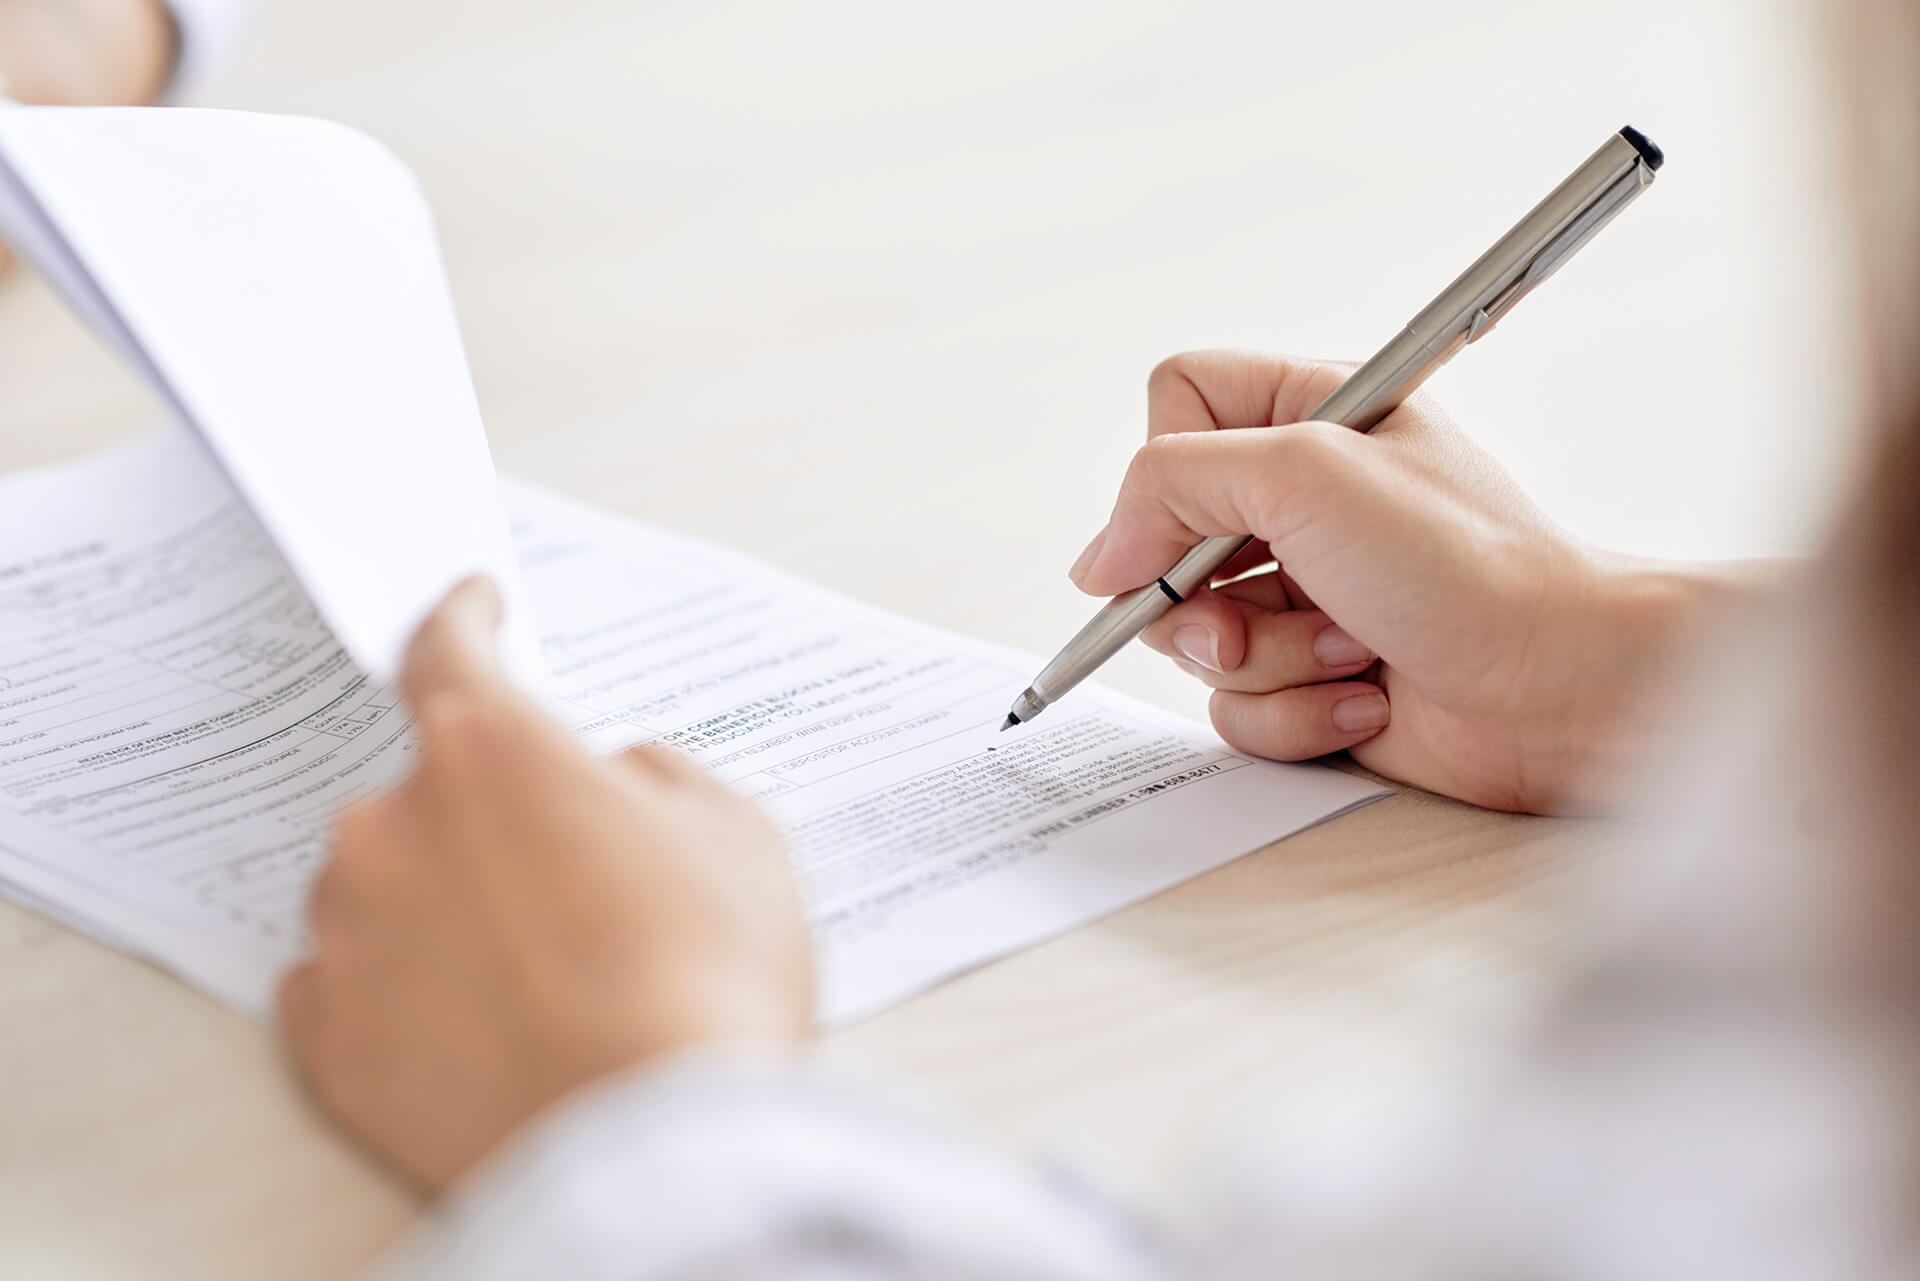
[1646, 622]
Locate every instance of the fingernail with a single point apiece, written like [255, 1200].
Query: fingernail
[1335, 648]
[1361, 712]
[1199, 644]
[1087, 557]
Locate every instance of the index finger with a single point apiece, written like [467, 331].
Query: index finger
[1210, 390]
[1268, 482]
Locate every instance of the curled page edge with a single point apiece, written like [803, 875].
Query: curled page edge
[38, 236]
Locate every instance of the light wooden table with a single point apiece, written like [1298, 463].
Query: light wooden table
[790, 276]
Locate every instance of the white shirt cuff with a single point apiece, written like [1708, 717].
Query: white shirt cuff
[727, 1166]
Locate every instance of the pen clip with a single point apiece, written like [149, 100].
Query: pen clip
[1563, 246]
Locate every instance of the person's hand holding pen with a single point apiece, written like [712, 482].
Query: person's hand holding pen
[1427, 616]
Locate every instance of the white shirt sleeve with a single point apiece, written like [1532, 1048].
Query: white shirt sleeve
[1697, 1103]
[708, 1168]
[208, 30]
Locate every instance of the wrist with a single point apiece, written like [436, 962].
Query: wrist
[1637, 620]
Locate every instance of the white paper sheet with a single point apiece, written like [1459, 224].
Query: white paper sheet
[278, 281]
[177, 727]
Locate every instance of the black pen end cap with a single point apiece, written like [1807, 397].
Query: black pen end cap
[1645, 146]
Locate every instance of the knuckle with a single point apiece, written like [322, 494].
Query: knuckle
[1311, 379]
[1170, 372]
[1310, 449]
[1300, 461]
[1153, 460]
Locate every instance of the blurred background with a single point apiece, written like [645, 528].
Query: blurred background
[802, 277]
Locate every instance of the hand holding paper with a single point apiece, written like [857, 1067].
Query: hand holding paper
[682, 925]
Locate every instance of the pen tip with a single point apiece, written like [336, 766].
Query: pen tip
[1011, 721]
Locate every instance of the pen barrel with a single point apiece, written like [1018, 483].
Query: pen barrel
[1106, 634]
[1466, 310]
[1387, 378]
[1202, 562]
[1536, 246]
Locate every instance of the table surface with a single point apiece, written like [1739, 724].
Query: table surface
[791, 276]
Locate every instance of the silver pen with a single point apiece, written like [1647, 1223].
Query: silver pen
[1465, 312]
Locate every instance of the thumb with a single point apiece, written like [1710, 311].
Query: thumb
[454, 649]
[1266, 482]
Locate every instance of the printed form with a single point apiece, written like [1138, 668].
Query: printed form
[178, 727]
[195, 628]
